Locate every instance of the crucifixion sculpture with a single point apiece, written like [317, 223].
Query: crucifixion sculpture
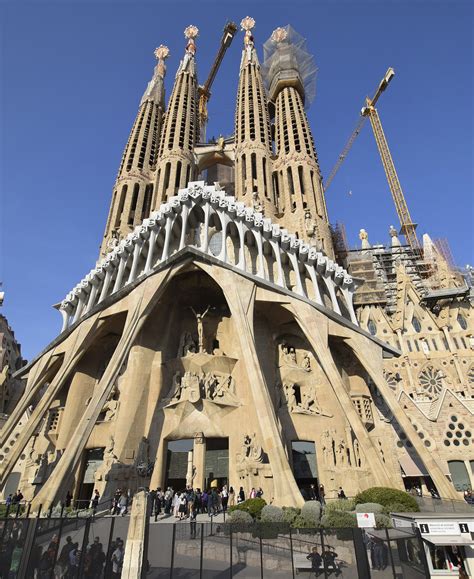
[200, 327]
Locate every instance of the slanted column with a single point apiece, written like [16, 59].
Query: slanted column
[136, 255]
[92, 295]
[314, 280]
[80, 307]
[184, 226]
[121, 268]
[261, 268]
[166, 245]
[151, 251]
[276, 251]
[348, 296]
[332, 292]
[294, 264]
[105, 286]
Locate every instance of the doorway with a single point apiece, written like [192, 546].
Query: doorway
[216, 462]
[177, 461]
[305, 468]
[93, 459]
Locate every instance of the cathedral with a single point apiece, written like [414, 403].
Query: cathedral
[223, 337]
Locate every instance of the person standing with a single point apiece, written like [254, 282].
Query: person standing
[241, 496]
[117, 561]
[231, 497]
[225, 498]
[322, 494]
[95, 501]
[192, 520]
[341, 494]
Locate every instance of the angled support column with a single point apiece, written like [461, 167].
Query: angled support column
[240, 295]
[374, 368]
[145, 301]
[311, 322]
[83, 337]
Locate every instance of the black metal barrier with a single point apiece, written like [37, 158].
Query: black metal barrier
[205, 550]
[82, 544]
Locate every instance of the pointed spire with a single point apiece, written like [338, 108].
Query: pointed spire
[249, 54]
[187, 64]
[155, 91]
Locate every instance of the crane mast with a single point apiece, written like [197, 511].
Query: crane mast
[408, 228]
[205, 90]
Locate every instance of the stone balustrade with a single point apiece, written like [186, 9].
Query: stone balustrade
[205, 218]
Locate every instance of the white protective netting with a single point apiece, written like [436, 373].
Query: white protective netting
[290, 54]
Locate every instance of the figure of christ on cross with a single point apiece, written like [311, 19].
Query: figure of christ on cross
[200, 327]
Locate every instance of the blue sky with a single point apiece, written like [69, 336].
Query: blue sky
[72, 75]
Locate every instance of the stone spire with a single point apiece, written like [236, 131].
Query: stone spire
[133, 190]
[176, 165]
[253, 144]
[289, 68]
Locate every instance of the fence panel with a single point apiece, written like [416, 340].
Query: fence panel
[277, 556]
[13, 534]
[215, 550]
[160, 549]
[246, 553]
[187, 550]
[339, 554]
[307, 551]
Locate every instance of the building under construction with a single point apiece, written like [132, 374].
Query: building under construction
[224, 338]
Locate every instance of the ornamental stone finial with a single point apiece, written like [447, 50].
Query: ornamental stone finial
[394, 236]
[279, 35]
[247, 23]
[191, 31]
[161, 54]
[364, 237]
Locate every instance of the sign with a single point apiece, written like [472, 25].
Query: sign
[464, 527]
[440, 528]
[365, 520]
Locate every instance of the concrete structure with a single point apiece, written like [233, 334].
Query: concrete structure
[217, 339]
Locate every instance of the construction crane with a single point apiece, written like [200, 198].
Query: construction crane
[205, 90]
[408, 228]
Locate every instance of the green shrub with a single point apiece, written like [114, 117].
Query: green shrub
[340, 505]
[394, 508]
[311, 512]
[382, 521]
[388, 497]
[241, 521]
[251, 506]
[301, 522]
[290, 514]
[271, 514]
[338, 520]
[369, 508]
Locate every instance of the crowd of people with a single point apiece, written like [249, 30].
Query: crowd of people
[190, 502]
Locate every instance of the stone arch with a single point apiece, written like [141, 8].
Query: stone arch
[196, 221]
[232, 244]
[251, 252]
[269, 262]
[341, 300]
[324, 292]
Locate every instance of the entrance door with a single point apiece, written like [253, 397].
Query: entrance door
[92, 460]
[216, 462]
[177, 463]
[305, 468]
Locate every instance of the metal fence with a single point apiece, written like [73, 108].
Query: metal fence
[76, 544]
[202, 550]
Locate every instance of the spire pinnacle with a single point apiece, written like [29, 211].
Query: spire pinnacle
[155, 89]
[190, 32]
[247, 24]
[279, 35]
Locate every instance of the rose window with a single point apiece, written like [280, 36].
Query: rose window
[431, 380]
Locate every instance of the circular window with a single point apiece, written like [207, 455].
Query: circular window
[400, 444]
[468, 433]
[454, 418]
[215, 243]
[456, 442]
[461, 426]
[449, 434]
[452, 426]
[458, 433]
[409, 444]
[465, 441]
[446, 443]
[416, 324]
[427, 443]
[462, 322]
[421, 435]
[372, 327]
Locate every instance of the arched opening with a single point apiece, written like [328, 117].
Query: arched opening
[251, 253]
[195, 230]
[232, 244]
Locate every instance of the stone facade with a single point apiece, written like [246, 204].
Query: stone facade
[216, 339]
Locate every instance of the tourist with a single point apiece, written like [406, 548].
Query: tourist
[225, 498]
[175, 504]
[95, 501]
[17, 498]
[168, 500]
[68, 501]
[182, 506]
[61, 568]
[74, 560]
[241, 496]
[123, 504]
[316, 560]
[253, 493]
[96, 559]
[9, 500]
[259, 493]
[117, 560]
[198, 501]
[16, 560]
[192, 520]
[468, 496]
[341, 494]
[418, 491]
[205, 502]
[322, 494]
[312, 493]
[214, 501]
[231, 497]
[329, 558]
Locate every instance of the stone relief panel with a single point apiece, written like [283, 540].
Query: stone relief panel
[340, 450]
[301, 378]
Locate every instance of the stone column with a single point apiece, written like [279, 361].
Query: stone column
[133, 560]
[199, 460]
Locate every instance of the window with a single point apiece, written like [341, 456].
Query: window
[459, 474]
[462, 321]
[416, 324]
[371, 326]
